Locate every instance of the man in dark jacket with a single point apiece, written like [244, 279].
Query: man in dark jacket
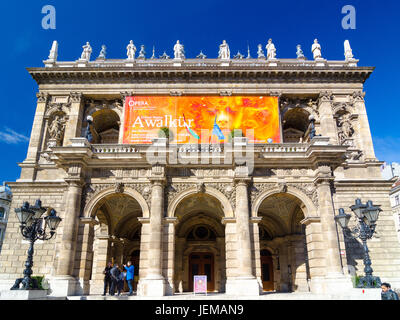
[388, 293]
[115, 272]
[107, 278]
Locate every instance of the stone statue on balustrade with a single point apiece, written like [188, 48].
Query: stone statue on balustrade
[316, 50]
[131, 51]
[103, 52]
[142, 53]
[260, 52]
[224, 52]
[87, 51]
[271, 50]
[299, 53]
[179, 52]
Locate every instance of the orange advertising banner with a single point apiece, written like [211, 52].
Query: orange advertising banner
[201, 119]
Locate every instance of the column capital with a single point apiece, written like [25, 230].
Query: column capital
[171, 220]
[358, 96]
[240, 181]
[42, 96]
[325, 96]
[76, 97]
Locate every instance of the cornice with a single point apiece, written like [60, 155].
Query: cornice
[208, 74]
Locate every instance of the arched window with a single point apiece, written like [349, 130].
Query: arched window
[2, 213]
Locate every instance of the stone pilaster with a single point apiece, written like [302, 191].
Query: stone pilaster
[73, 128]
[327, 122]
[28, 171]
[124, 95]
[168, 261]
[334, 281]
[100, 260]
[364, 133]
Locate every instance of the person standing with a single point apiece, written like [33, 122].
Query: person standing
[130, 276]
[115, 272]
[107, 278]
[387, 292]
[121, 280]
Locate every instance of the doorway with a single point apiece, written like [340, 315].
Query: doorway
[267, 271]
[202, 264]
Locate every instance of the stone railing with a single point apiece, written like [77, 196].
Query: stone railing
[114, 148]
[285, 147]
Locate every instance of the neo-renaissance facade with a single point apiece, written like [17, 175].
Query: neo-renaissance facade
[249, 230]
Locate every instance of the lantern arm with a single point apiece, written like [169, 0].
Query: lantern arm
[354, 232]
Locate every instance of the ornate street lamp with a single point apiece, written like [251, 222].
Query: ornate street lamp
[34, 227]
[367, 215]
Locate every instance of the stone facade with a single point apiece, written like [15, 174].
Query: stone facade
[115, 205]
[5, 203]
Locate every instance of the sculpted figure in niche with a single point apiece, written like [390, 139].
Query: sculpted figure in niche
[345, 128]
[56, 129]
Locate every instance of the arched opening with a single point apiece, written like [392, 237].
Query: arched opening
[106, 124]
[200, 243]
[117, 237]
[295, 125]
[283, 250]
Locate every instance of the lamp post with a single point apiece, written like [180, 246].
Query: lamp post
[367, 215]
[32, 229]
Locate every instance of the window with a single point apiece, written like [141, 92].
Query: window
[2, 213]
[396, 200]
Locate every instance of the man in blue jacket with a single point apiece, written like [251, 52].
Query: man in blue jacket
[130, 275]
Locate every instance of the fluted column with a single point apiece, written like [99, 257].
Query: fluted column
[327, 122]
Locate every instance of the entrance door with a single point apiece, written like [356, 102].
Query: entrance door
[201, 264]
[267, 271]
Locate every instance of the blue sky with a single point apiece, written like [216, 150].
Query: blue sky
[199, 25]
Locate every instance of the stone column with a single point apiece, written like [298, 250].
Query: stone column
[65, 281]
[364, 133]
[255, 237]
[245, 282]
[335, 281]
[327, 122]
[28, 171]
[73, 128]
[154, 283]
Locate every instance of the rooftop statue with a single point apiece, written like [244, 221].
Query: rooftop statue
[271, 50]
[154, 53]
[348, 53]
[248, 53]
[260, 52]
[179, 52]
[131, 51]
[299, 53]
[142, 53]
[87, 51]
[316, 50]
[224, 52]
[54, 51]
[103, 52]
